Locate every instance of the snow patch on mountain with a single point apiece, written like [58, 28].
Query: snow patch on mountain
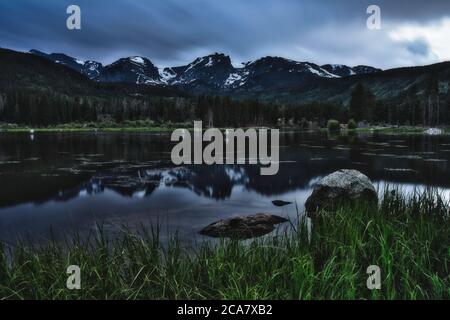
[237, 79]
[238, 65]
[210, 62]
[138, 60]
[166, 74]
[232, 79]
[193, 64]
[321, 72]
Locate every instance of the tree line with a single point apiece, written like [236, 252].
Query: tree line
[41, 108]
[427, 106]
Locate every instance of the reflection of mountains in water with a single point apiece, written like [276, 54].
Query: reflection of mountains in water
[215, 181]
[68, 166]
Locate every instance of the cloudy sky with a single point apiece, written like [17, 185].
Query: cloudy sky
[174, 32]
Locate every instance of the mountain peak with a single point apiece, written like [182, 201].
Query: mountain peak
[269, 59]
[88, 68]
[134, 69]
[211, 60]
[36, 52]
[138, 60]
[345, 71]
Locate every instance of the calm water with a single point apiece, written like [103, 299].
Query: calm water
[56, 183]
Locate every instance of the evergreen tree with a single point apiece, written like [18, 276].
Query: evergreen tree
[357, 103]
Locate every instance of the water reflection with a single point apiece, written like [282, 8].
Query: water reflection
[74, 180]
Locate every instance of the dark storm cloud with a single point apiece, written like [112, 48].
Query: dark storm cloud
[176, 31]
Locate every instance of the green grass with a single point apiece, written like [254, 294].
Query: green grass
[407, 238]
[109, 126]
[135, 126]
[394, 130]
[410, 130]
[101, 129]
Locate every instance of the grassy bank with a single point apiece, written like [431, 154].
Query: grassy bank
[388, 130]
[88, 129]
[151, 126]
[408, 239]
[128, 126]
[108, 126]
[394, 130]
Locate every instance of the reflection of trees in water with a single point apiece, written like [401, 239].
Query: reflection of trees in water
[215, 182]
[22, 188]
[67, 166]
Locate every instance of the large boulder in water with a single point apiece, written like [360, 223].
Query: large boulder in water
[243, 227]
[340, 187]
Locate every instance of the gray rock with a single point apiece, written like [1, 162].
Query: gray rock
[343, 186]
[243, 227]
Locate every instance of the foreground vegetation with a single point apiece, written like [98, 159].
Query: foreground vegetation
[407, 238]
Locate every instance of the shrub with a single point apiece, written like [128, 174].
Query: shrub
[333, 125]
[8, 126]
[351, 124]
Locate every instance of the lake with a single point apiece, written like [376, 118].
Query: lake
[52, 184]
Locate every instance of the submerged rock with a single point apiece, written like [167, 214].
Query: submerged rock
[243, 227]
[280, 203]
[340, 187]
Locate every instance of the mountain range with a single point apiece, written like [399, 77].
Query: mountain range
[266, 79]
[214, 73]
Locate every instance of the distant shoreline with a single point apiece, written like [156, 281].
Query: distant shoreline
[13, 128]
[62, 130]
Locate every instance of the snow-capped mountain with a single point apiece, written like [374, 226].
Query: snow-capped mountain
[365, 69]
[211, 74]
[91, 69]
[346, 71]
[216, 72]
[271, 72]
[138, 70]
[212, 70]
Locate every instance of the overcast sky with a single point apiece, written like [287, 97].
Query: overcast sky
[174, 32]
